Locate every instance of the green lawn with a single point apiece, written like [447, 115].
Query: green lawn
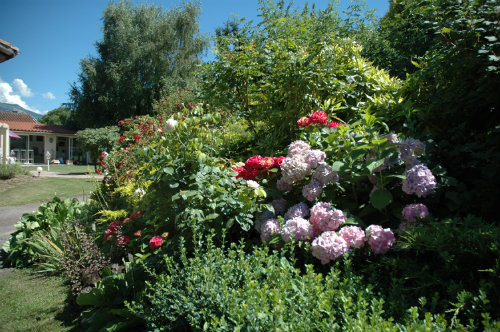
[67, 169]
[32, 302]
[35, 189]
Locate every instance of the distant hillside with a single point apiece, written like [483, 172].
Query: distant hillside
[16, 108]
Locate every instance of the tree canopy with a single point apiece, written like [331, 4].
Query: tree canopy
[145, 53]
[60, 116]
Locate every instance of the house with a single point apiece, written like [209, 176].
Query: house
[29, 141]
[7, 51]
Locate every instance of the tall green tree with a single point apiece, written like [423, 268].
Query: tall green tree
[60, 116]
[145, 53]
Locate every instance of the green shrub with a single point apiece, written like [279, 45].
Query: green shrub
[230, 290]
[8, 171]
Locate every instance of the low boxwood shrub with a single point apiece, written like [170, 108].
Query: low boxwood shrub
[230, 289]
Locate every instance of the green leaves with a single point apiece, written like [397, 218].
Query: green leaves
[381, 198]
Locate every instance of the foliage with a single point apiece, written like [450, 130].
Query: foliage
[456, 87]
[286, 66]
[104, 305]
[430, 263]
[97, 140]
[175, 179]
[145, 52]
[60, 116]
[222, 289]
[9, 171]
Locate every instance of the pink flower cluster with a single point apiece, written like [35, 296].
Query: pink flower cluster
[324, 221]
[256, 166]
[317, 117]
[380, 239]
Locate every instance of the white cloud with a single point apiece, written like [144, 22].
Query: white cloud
[49, 95]
[8, 96]
[22, 88]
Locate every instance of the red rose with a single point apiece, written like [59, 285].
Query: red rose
[319, 117]
[136, 137]
[155, 242]
[253, 162]
[138, 233]
[278, 161]
[107, 234]
[122, 138]
[303, 121]
[115, 226]
[267, 162]
[334, 124]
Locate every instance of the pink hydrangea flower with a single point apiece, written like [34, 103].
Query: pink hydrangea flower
[312, 190]
[380, 239]
[155, 242]
[328, 246]
[413, 211]
[354, 236]
[313, 157]
[298, 148]
[269, 228]
[337, 218]
[297, 228]
[298, 210]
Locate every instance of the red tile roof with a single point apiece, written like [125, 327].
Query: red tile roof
[17, 117]
[37, 127]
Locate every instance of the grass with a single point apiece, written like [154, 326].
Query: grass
[66, 169]
[8, 171]
[27, 189]
[32, 302]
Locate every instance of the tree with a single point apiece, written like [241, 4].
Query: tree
[287, 66]
[95, 141]
[60, 116]
[145, 53]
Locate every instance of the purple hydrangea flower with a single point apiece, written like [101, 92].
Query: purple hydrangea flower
[413, 211]
[320, 215]
[298, 148]
[392, 138]
[266, 215]
[313, 157]
[312, 190]
[324, 174]
[297, 228]
[269, 228]
[419, 181]
[294, 169]
[328, 246]
[298, 210]
[409, 150]
[282, 185]
[279, 206]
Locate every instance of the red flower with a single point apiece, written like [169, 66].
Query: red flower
[107, 234]
[251, 174]
[253, 162]
[267, 162]
[136, 137]
[155, 242]
[115, 226]
[138, 233]
[122, 240]
[278, 161]
[122, 138]
[303, 121]
[334, 124]
[319, 117]
[191, 106]
[241, 171]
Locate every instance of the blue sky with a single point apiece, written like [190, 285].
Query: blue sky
[54, 35]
